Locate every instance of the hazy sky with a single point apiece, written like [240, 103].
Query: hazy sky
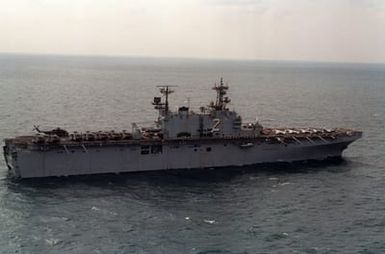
[325, 30]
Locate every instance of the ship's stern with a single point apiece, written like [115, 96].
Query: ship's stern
[10, 156]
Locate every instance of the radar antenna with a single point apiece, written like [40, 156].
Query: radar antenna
[37, 128]
[165, 91]
[221, 100]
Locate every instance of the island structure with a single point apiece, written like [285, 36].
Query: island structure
[215, 137]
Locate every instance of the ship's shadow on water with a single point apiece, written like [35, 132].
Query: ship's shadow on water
[184, 177]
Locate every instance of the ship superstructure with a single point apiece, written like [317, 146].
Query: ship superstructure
[214, 120]
[183, 139]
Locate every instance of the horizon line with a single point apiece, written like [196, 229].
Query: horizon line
[193, 58]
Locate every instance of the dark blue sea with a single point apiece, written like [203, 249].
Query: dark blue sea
[335, 207]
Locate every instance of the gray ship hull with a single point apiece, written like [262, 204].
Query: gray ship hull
[164, 155]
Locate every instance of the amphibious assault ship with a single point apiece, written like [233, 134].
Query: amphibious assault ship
[214, 137]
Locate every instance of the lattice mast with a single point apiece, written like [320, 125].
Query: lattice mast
[163, 107]
[221, 100]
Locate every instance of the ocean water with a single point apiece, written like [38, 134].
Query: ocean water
[312, 208]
